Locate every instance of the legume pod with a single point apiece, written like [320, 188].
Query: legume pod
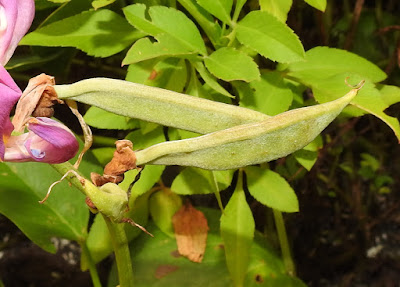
[158, 105]
[251, 143]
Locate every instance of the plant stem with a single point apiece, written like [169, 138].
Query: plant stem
[216, 192]
[283, 241]
[354, 23]
[209, 27]
[92, 266]
[238, 8]
[121, 251]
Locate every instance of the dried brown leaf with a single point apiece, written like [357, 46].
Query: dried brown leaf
[191, 230]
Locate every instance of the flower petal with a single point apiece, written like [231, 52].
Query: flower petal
[47, 141]
[15, 150]
[16, 17]
[51, 141]
[9, 95]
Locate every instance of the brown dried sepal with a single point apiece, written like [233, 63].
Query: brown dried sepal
[124, 159]
[99, 180]
[45, 105]
[37, 100]
[191, 231]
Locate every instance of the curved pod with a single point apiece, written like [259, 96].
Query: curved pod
[248, 144]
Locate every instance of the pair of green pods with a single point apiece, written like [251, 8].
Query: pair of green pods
[233, 136]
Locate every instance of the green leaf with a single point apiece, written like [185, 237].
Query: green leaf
[318, 4]
[210, 80]
[182, 134]
[374, 104]
[323, 62]
[41, 5]
[102, 119]
[370, 161]
[390, 94]
[230, 64]
[142, 140]
[237, 232]
[270, 189]
[103, 154]
[172, 29]
[277, 8]
[219, 8]
[136, 16]
[27, 61]
[163, 205]
[101, 3]
[66, 10]
[271, 94]
[170, 74]
[63, 215]
[369, 99]
[99, 33]
[144, 49]
[147, 127]
[154, 265]
[141, 72]
[150, 175]
[308, 156]
[269, 37]
[194, 87]
[199, 181]
[326, 70]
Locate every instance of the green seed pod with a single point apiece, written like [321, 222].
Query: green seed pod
[158, 105]
[248, 144]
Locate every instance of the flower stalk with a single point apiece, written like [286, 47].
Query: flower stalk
[91, 265]
[121, 251]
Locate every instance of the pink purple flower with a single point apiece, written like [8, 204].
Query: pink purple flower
[16, 17]
[46, 140]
